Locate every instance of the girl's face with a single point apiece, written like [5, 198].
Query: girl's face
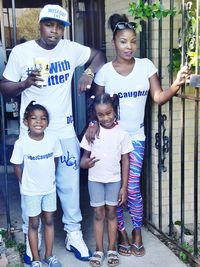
[125, 44]
[105, 115]
[37, 122]
[51, 32]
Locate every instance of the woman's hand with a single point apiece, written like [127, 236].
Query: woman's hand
[92, 132]
[122, 196]
[182, 76]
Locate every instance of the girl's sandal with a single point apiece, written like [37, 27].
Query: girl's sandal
[112, 258]
[97, 259]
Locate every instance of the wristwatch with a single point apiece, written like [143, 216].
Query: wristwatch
[89, 72]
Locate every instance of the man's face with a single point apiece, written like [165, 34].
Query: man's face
[51, 32]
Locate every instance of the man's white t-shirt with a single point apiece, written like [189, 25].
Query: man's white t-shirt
[132, 91]
[108, 148]
[56, 97]
[37, 157]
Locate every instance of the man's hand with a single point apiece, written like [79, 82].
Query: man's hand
[84, 83]
[32, 79]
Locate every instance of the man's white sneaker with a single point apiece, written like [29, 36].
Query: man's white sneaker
[74, 242]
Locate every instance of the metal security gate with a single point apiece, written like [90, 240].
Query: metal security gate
[171, 167]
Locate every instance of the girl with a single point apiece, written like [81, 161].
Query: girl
[132, 78]
[106, 186]
[38, 152]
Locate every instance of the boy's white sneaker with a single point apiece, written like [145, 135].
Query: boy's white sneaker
[27, 254]
[52, 261]
[36, 264]
[74, 243]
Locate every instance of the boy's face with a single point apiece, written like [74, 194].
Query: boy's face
[51, 31]
[36, 122]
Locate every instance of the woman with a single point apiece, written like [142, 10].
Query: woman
[132, 79]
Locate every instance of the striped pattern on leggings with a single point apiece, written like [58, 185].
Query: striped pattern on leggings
[134, 199]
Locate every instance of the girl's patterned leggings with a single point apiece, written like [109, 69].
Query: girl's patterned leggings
[134, 199]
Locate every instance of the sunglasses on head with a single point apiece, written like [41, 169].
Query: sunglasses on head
[124, 25]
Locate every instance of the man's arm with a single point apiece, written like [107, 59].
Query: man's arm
[96, 60]
[9, 88]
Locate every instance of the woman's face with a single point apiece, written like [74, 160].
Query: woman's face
[51, 31]
[125, 43]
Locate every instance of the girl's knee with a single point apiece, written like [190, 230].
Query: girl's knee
[99, 213]
[111, 213]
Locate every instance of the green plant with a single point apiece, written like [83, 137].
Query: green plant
[183, 256]
[143, 11]
[10, 242]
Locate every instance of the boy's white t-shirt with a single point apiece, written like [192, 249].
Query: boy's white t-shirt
[56, 97]
[37, 157]
[111, 144]
[132, 91]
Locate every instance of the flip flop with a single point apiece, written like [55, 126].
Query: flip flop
[124, 250]
[138, 251]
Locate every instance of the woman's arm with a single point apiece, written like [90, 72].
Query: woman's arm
[92, 131]
[125, 174]
[161, 96]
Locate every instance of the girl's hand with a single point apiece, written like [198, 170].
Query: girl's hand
[122, 196]
[90, 162]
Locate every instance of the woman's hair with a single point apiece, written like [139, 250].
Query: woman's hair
[33, 106]
[115, 19]
[93, 101]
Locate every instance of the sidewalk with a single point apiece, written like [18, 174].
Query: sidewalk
[157, 254]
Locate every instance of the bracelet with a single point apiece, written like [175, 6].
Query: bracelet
[89, 73]
[92, 124]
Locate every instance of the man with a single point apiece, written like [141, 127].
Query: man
[20, 77]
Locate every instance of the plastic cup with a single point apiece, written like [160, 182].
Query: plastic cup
[41, 64]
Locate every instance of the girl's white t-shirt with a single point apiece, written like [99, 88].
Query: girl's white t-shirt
[108, 148]
[132, 91]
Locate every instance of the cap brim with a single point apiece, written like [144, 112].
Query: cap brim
[65, 23]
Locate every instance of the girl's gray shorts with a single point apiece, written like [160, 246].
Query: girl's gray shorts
[103, 193]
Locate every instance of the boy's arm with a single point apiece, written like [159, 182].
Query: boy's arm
[125, 174]
[18, 171]
[86, 161]
[56, 163]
